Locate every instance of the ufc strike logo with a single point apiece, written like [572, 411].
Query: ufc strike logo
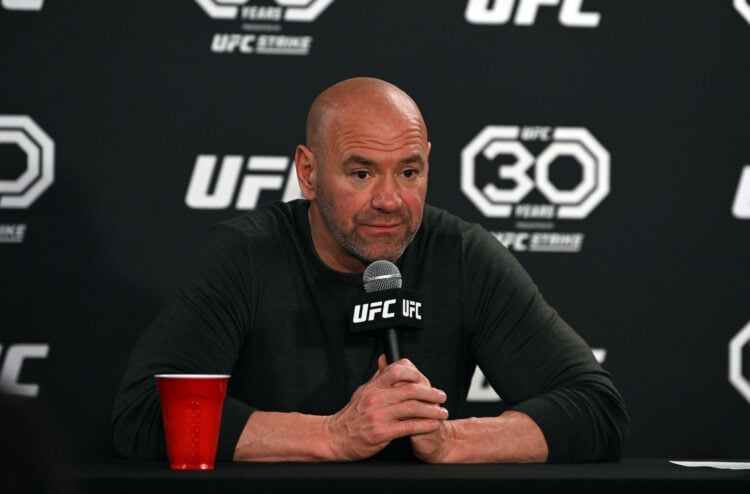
[736, 377]
[369, 311]
[287, 10]
[743, 7]
[499, 12]
[23, 190]
[741, 206]
[11, 368]
[575, 142]
[272, 173]
[22, 4]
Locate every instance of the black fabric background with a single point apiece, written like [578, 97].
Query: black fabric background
[131, 94]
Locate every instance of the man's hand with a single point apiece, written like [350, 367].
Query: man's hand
[397, 401]
[512, 437]
[433, 447]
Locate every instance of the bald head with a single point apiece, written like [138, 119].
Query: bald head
[364, 172]
[356, 99]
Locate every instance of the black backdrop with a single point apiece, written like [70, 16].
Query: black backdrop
[625, 123]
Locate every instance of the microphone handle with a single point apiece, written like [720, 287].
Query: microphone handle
[390, 344]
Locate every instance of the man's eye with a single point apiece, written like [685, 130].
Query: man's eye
[361, 175]
[409, 173]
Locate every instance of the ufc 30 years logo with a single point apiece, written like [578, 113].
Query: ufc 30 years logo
[20, 189]
[496, 171]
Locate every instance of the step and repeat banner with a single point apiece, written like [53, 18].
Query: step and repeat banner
[606, 143]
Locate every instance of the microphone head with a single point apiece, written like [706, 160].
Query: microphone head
[381, 275]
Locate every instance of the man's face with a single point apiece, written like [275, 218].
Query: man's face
[370, 188]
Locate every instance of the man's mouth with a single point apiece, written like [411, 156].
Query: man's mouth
[382, 227]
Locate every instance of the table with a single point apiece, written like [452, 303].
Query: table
[628, 475]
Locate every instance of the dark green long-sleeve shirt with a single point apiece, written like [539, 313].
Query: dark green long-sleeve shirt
[260, 305]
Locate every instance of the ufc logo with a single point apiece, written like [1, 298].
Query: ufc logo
[741, 205]
[22, 4]
[410, 309]
[500, 12]
[369, 311]
[232, 184]
[743, 7]
[10, 371]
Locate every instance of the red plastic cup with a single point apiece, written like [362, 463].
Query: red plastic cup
[191, 408]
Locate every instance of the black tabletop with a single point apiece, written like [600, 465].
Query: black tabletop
[628, 475]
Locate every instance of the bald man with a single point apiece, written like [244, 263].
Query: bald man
[265, 302]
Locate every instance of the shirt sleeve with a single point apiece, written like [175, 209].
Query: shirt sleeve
[536, 361]
[199, 331]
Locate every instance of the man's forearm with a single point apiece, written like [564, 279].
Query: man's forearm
[276, 436]
[512, 437]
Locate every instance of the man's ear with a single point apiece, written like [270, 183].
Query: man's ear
[304, 161]
[427, 163]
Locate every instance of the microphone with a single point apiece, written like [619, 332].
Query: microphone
[385, 307]
[381, 276]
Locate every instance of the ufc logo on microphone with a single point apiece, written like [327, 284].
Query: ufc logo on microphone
[410, 309]
[369, 311]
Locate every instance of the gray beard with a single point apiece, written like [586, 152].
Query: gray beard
[351, 243]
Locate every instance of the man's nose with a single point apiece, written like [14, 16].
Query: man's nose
[386, 195]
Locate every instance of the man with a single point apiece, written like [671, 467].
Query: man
[266, 302]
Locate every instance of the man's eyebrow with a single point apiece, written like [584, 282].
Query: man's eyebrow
[356, 159]
[414, 158]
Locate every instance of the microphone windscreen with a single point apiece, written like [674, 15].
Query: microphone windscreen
[381, 275]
